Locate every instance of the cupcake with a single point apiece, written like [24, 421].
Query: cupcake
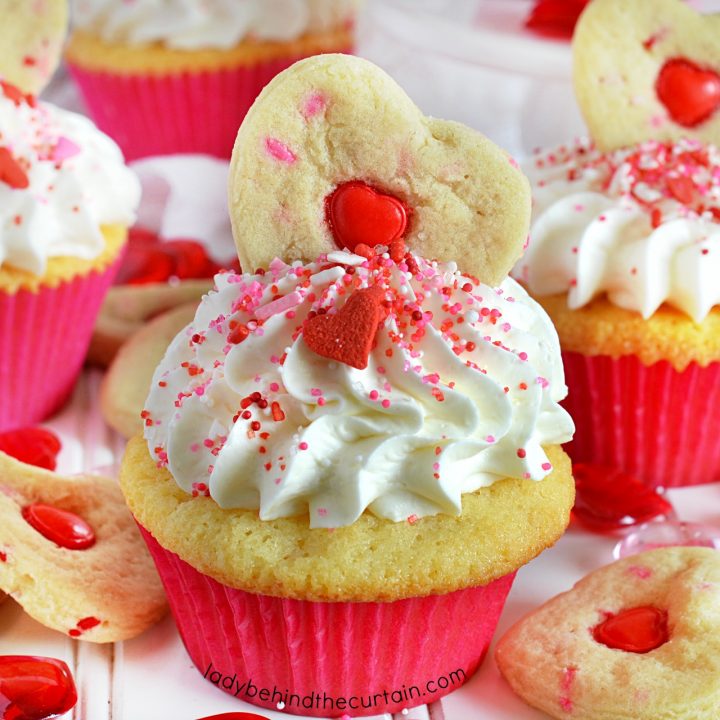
[362, 445]
[165, 76]
[66, 200]
[622, 252]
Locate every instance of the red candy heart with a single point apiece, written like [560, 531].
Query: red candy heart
[60, 526]
[608, 499]
[148, 259]
[11, 172]
[34, 688]
[35, 446]
[690, 93]
[348, 335]
[359, 214]
[638, 630]
[555, 18]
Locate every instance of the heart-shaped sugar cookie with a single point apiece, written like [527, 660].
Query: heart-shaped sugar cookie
[334, 154]
[62, 541]
[647, 69]
[639, 638]
[31, 40]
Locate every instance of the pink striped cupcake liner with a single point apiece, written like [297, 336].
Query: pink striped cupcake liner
[656, 423]
[45, 336]
[327, 659]
[187, 112]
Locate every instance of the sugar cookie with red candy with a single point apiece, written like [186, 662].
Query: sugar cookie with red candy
[31, 40]
[647, 69]
[334, 154]
[639, 639]
[71, 554]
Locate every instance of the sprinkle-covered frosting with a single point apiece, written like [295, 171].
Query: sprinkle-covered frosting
[460, 389]
[641, 224]
[61, 179]
[197, 24]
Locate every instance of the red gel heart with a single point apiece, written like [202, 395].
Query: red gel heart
[638, 630]
[555, 18]
[60, 526]
[35, 446]
[11, 172]
[348, 335]
[34, 688]
[608, 499]
[359, 214]
[148, 259]
[690, 93]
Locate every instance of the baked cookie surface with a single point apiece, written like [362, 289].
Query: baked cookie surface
[552, 658]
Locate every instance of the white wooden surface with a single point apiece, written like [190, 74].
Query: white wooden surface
[152, 678]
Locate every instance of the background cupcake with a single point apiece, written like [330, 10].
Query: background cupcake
[363, 444]
[623, 249]
[169, 76]
[66, 199]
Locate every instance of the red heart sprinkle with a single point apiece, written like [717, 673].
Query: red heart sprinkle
[638, 630]
[608, 499]
[358, 214]
[35, 446]
[64, 528]
[555, 18]
[348, 335]
[690, 93]
[35, 688]
[11, 172]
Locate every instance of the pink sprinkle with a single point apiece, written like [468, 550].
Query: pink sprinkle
[490, 439]
[64, 149]
[303, 446]
[321, 401]
[275, 307]
[436, 466]
[566, 683]
[314, 104]
[374, 394]
[385, 403]
[381, 370]
[274, 387]
[279, 151]
[316, 392]
[322, 512]
[523, 356]
[278, 481]
[195, 447]
[639, 571]
[547, 466]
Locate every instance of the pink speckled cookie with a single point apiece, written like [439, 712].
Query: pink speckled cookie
[638, 639]
[334, 154]
[661, 79]
[31, 41]
[71, 555]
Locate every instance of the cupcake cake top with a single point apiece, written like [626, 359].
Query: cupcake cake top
[197, 24]
[634, 213]
[640, 224]
[352, 372]
[61, 179]
[356, 383]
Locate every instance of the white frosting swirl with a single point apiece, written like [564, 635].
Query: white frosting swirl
[640, 224]
[195, 24]
[461, 389]
[60, 180]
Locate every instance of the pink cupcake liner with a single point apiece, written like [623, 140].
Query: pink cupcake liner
[377, 657]
[188, 112]
[45, 336]
[661, 425]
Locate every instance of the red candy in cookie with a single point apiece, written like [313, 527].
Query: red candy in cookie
[608, 499]
[60, 526]
[35, 446]
[348, 335]
[35, 688]
[360, 215]
[690, 93]
[638, 630]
